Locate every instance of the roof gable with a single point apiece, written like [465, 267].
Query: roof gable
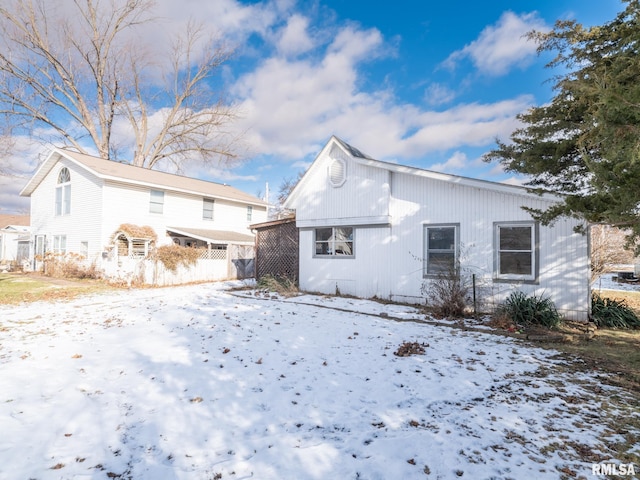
[125, 173]
[357, 156]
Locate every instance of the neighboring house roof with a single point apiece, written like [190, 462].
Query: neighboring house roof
[14, 221]
[16, 229]
[273, 223]
[214, 236]
[364, 159]
[122, 172]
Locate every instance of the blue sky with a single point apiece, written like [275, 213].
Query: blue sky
[428, 84]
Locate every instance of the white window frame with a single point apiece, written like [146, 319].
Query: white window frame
[63, 193]
[427, 270]
[500, 251]
[208, 206]
[332, 246]
[84, 249]
[156, 201]
[249, 213]
[60, 244]
[337, 172]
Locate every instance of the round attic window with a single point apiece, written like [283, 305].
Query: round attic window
[337, 172]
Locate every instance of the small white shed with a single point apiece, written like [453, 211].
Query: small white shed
[375, 229]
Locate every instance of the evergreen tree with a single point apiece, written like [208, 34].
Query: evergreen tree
[585, 143]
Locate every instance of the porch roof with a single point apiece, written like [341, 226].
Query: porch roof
[214, 236]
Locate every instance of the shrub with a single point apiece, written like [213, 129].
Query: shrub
[69, 265]
[281, 285]
[448, 295]
[533, 310]
[609, 313]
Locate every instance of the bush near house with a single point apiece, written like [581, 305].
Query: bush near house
[610, 313]
[448, 295]
[69, 265]
[530, 310]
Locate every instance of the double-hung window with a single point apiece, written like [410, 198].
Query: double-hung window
[516, 251]
[63, 192]
[249, 213]
[156, 202]
[441, 249]
[60, 244]
[334, 242]
[207, 208]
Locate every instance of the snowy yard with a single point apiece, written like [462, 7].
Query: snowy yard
[199, 382]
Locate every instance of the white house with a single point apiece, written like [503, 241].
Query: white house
[375, 229]
[80, 202]
[14, 238]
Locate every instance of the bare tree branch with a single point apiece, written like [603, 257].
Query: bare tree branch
[76, 76]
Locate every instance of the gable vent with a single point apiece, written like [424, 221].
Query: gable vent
[337, 173]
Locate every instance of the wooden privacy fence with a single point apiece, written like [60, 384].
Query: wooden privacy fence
[277, 249]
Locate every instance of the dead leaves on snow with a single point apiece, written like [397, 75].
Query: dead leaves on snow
[411, 348]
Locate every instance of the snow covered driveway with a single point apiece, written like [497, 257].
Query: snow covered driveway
[198, 383]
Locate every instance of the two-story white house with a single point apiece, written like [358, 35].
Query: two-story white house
[79, 203]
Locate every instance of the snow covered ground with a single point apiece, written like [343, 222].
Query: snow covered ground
[200, 382]
[606, 282]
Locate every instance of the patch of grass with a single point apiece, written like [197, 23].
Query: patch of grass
[609, 350]
[614, 351]
[17, 288]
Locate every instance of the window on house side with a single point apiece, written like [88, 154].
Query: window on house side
[440, 249]
[60, 244]
[63, 192]
[207, 208]
[334, 241]
[249, 213]
[515, 251]
[156, 204]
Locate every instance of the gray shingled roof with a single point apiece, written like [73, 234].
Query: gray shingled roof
[214, 236]
[18, 220]
[112, 170]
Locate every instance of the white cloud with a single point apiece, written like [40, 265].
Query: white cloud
[458, 161]
[294, 38]
[22, 163]
[501, 46]
[291, 107]
[438, 94]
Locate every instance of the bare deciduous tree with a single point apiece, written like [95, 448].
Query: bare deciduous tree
[608, 248]
[79, 73]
